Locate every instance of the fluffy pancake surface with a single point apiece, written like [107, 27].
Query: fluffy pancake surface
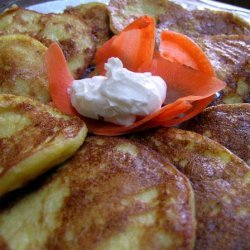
[221, 183]
[228, 124]
[22, 70]
[113, 194]
[33, 138]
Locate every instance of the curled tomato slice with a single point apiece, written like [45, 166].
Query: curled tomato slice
[189, 75]
[134, 46]
[60, 79]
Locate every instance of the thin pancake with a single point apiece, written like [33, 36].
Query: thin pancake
[33, 138]
[228, 124]
[21, 74]
[230, 56]
[113, 194]
[221, 183]
[96, 16]
[73, 35]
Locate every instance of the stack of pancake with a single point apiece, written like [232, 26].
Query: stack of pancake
[167, 188]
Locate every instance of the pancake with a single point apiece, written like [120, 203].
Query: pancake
[33, 138]
[21, 74]
[221, 183]
[113, 194]
[230, 57]
[96, 16]
[73, 35]
[228, 124]
[17, 20]
[122, 13]
[196, 23]
[169, 15]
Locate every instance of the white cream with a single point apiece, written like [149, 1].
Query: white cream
[119, 96]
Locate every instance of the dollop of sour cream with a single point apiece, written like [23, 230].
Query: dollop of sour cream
[119, 96]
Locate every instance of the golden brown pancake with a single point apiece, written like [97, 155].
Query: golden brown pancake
[228, 124]
[196, 23]
[113, 194]
[96, 16]
[221, 183]
[33, 138]
[16, 20]
[122, 13]
[22, 70]
[169, 15]
[230, 57]
[73, 35]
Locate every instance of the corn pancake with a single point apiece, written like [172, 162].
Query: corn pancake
[96, 16]
[73, 35]
[113, 194]
[169, 15]
[33, 138]
[21, 74]
[221, 183]
[228, 124]
[230, 56]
